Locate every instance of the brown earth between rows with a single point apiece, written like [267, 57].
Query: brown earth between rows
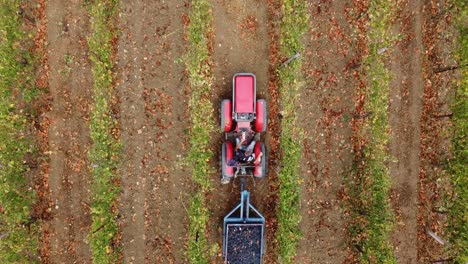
[152, 100]
[438, 37]
[69, 82]
[406, 92]
[326, 106]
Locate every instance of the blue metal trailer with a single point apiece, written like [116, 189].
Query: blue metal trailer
[243, 234]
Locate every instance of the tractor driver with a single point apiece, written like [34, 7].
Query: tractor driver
[244, 150]
[243, 144]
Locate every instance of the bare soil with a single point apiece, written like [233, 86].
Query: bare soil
[151, 92]
[326, 106]
[434, 183]
[406, 94]
[40, 127]
[69, 82]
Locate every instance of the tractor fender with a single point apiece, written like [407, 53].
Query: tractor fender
[227, 154]
[260, 169]
[226, 115]
[261, 118]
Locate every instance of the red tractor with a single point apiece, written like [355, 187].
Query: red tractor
[242, 120]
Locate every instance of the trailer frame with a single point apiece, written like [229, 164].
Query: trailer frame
[243, 215]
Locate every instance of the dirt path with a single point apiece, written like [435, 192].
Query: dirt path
[165, 103]
[438, 38]
[70, 81]
[241, 44]
[41, 128]
[326, 106]
[132, 119]
[152, 100]
[406, 94]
